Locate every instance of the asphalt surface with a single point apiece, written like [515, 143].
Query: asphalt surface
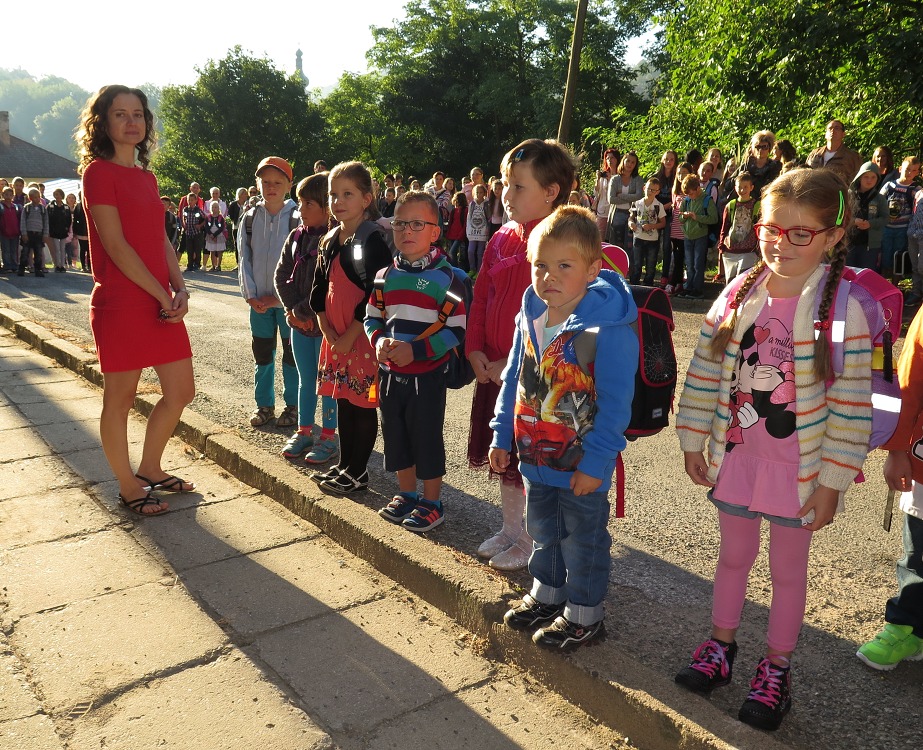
[664, 551]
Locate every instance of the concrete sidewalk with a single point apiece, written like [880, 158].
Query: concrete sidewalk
[225, 529]
[227, 624]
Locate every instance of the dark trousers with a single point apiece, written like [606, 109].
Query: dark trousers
[358, 428]
[34, 245]
[193, 246]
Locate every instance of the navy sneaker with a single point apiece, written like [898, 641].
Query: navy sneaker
[564, 635]
[401, 506]
[531, 612]
[427, 515]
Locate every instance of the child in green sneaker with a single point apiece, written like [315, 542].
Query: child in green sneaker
[902, 636]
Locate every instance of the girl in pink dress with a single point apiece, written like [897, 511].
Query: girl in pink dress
[343, 279]
[537, 178]
[786, 436]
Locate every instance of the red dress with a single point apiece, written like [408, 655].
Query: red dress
[125, 319]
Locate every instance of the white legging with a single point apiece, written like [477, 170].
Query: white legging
[59, 251]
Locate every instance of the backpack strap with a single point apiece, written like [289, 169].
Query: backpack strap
[378, 289]
[450, 302]
[729, 292]
[835, 327]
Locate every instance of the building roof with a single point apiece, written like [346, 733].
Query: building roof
[26, 160]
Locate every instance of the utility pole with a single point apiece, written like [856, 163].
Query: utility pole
[570, 90]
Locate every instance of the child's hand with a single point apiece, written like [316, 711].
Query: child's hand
[499, 459]
[479, 364]
[383, 349]
[400, 353]
[495, 370]
[823, 502]
[897, 471]
[584, 484]
[257, 304]
[697, 468]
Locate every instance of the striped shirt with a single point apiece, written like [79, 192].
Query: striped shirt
[833, 424]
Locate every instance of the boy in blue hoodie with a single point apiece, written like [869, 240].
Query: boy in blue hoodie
[567, 416]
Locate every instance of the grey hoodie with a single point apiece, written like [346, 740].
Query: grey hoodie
[260, 252]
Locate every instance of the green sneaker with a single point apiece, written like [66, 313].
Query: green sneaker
[891, 646]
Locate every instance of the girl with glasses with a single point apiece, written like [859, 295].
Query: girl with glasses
[785, 440]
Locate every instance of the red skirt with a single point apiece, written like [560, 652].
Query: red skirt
[132, 339]
[480, 435]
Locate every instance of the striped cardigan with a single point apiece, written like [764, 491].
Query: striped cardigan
[833, 424]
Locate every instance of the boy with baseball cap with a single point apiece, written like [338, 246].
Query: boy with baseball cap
[265, 227]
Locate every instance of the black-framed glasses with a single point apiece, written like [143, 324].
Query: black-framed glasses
[798, 236]
[399, 225]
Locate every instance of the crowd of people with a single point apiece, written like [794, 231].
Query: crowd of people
[367, 288]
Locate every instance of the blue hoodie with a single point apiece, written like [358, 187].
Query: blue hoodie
[562, 417]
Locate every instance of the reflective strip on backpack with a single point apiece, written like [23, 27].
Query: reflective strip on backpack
[884, 402]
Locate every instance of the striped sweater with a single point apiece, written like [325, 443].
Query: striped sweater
[833, 424]
[413, 294]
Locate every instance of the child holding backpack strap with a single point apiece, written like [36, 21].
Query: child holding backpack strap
[786, 435]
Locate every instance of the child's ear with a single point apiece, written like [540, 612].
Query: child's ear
[552, 191]
[594, 269]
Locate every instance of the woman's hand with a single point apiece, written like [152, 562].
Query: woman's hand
[823, 502]
[176, 309]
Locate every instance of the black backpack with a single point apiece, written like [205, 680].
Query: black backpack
[59, 220]
[655, 380]
[459, 372]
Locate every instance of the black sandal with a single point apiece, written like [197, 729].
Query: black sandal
[137, 506]
[169, 483]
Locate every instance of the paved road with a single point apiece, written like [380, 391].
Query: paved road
[664, 553]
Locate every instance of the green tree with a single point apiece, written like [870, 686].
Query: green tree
[462, 81]
[240, 110]
[42, 111]
[789, 67]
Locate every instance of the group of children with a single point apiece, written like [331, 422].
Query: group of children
[30, 226]
[375, 328]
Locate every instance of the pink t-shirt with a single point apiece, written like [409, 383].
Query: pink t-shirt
[760, 468]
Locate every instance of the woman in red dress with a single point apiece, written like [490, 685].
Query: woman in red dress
[139, 298]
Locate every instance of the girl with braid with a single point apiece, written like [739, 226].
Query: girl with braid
[786, 437]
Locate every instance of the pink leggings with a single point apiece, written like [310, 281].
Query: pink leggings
[788, 564]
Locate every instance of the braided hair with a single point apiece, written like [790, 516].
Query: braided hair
[825, 195]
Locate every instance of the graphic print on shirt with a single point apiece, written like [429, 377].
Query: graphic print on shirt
[763, 387]
[555, 405]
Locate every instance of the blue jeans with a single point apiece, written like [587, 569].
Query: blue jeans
[907, 607]
[571, 558]
[306, 350]
[893, 242]
[10, 248]
[643, 254]
[263, 326]
[696, 254]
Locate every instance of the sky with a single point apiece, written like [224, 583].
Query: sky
[136, 43]
[133, 44]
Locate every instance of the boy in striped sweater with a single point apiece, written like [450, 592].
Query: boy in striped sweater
[413, 349]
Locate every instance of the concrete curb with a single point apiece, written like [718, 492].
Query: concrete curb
[474, 596]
